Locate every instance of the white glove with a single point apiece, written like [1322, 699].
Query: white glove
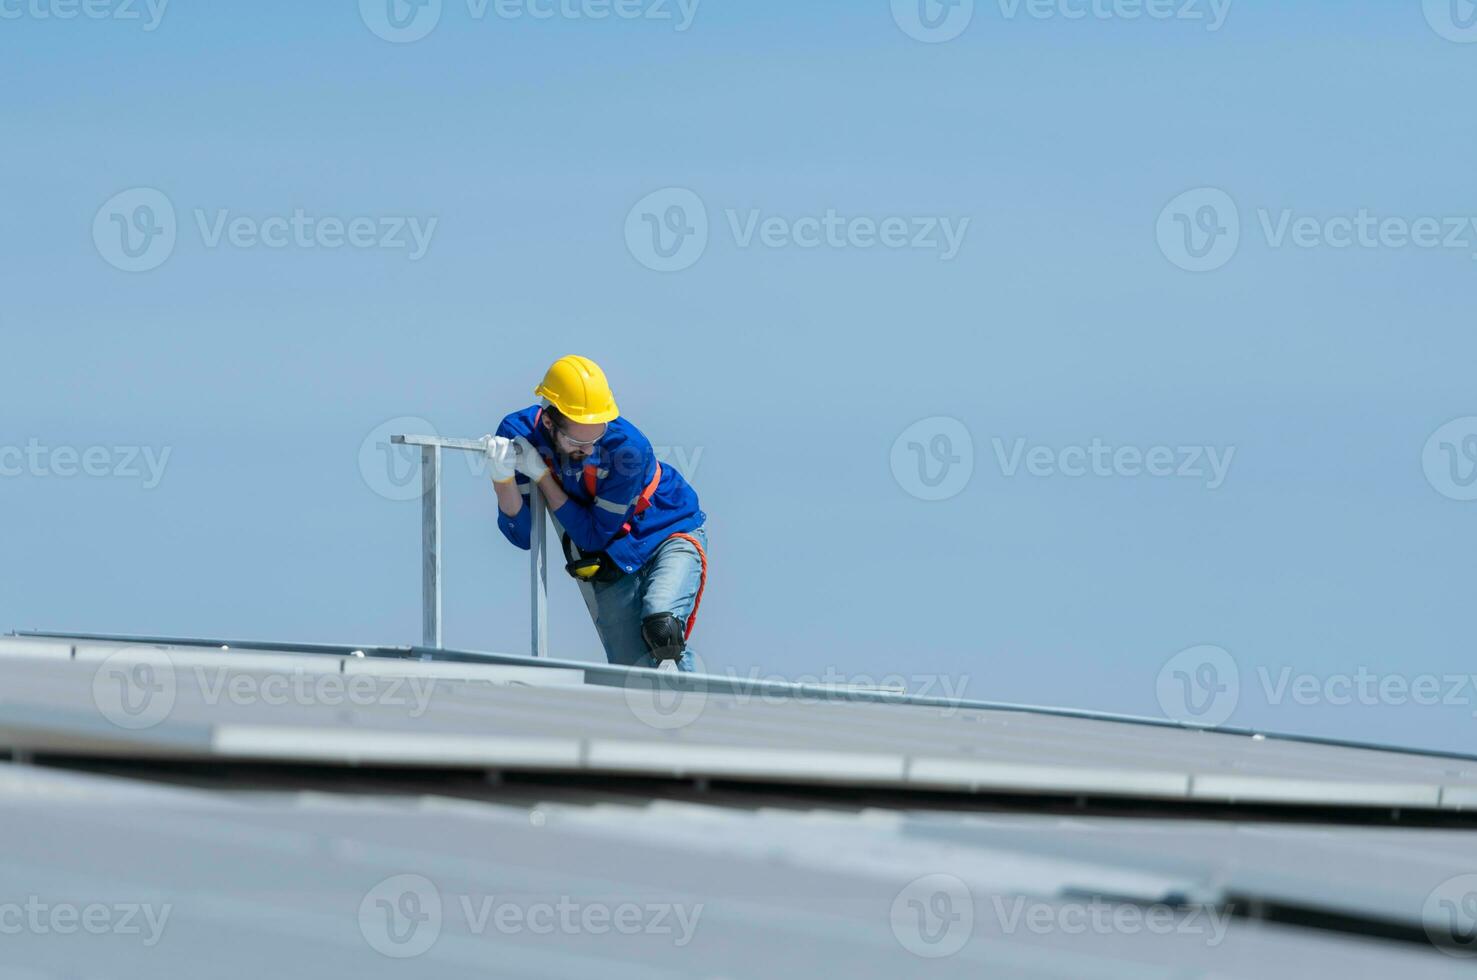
[502, 457]
[530, 463]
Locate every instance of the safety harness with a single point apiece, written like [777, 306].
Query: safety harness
[598, 567]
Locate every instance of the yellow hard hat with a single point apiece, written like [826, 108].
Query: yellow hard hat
[577, 387]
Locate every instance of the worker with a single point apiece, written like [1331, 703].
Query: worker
[631, 528]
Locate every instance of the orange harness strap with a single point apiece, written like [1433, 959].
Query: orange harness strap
[702, 582]
[642, 503]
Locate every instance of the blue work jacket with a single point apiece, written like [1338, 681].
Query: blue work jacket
[604, 490]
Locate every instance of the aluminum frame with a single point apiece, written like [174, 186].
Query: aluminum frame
[431, 530]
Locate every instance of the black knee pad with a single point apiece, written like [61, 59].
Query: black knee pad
[663, 634]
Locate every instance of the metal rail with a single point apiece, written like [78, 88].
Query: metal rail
[538, 566]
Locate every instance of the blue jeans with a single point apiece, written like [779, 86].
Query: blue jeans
[668, 582]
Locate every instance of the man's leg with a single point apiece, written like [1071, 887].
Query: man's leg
[616, 608]
[668, 588]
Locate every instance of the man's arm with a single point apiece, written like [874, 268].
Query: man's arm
[509, 497]
[513, 518]
[554, 494]
[531, 467]
[592, 527]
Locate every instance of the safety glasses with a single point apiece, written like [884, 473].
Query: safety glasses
[564, 440]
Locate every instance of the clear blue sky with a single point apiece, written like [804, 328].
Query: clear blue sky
[787, 373]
